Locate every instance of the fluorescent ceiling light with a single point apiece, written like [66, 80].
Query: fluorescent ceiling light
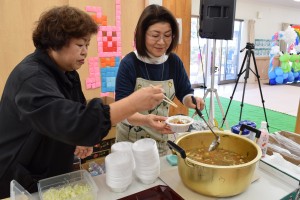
[297, 0]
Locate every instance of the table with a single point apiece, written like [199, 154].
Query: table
[266, 187]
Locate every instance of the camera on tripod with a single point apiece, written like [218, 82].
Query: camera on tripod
[249, 46]
[248, 54]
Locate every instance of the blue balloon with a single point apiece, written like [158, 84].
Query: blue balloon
[296, 74]
[279, 79]
[291, 78]
[272, 74]
[280, 35]
[278, 71]
[285, 75]
[272, 81]
[285, 80]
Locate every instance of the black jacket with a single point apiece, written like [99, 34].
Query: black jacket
[43, 116]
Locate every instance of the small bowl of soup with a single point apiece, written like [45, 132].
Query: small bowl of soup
[179, 123]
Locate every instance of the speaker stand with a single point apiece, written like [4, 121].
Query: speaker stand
[213, 92]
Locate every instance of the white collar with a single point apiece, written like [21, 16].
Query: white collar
[152, 59]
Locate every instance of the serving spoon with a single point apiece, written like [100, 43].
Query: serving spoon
[215, 143]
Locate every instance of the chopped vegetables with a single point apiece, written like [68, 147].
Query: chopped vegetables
[80, 191]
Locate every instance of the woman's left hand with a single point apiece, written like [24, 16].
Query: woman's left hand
[157, 123]
[83, 152]
[200, 103]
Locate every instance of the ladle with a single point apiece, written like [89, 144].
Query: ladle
[215, 143]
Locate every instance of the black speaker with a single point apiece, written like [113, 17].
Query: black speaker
[217, 19]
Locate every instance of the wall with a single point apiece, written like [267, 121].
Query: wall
[272, 16]
[181, 9]
[18, 19]
[17, 22]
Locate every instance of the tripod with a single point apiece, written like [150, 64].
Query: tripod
[249, 52]
[213, 90]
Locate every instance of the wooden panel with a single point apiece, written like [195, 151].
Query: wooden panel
[297, 129]
[182, 9]
[17, 23]
[263, 64]
[127, 31]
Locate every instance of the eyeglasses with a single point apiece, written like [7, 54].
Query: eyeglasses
[156, 38]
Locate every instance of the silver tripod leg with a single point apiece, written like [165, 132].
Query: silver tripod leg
[213, 90]
[212, 105]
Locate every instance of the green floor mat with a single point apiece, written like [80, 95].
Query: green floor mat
[277, 121]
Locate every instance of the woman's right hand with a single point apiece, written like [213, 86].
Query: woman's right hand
[147, 98]
[157, 123]
[143, 99]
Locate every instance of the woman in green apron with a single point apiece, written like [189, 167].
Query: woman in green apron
[153, 63]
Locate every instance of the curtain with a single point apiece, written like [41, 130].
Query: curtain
[282, 43]
[251, 30]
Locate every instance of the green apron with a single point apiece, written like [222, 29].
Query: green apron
[126, 132]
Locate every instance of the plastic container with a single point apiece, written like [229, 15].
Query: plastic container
[246, 133]
[264, 138]
[17, 192]
[251, 135]
[236, 129]
[69, 182]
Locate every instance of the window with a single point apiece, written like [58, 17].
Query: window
[226, 58]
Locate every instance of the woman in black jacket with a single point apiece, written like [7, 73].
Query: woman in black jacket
[43, 112]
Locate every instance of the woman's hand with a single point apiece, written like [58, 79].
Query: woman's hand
[143, 99]
[189, 103]
[147, 98]
[83, 152]
[157, 123]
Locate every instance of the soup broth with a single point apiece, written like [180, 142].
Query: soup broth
[219, 156]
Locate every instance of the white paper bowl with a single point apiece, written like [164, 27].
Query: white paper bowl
[179, 128]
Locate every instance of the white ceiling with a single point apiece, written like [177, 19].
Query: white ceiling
[288, 3]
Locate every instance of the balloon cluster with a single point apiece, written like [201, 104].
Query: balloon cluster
[289, 69]
[287, 72]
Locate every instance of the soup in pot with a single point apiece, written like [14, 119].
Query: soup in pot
[219, 156]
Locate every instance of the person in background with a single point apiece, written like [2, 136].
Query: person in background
[153, 63]
[43, 112]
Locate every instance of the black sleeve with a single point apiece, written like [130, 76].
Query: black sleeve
[41, 104]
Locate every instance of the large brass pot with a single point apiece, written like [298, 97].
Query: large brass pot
[213, 180]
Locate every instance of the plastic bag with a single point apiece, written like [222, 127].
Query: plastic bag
[286, 143]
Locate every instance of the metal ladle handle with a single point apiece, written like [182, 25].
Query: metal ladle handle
[201, 115]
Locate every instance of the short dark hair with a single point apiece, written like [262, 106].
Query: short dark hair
[154, 14]
[58, 25]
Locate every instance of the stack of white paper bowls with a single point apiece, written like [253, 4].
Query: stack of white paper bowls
[146, 156]
[124, 147]
[119, 171]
